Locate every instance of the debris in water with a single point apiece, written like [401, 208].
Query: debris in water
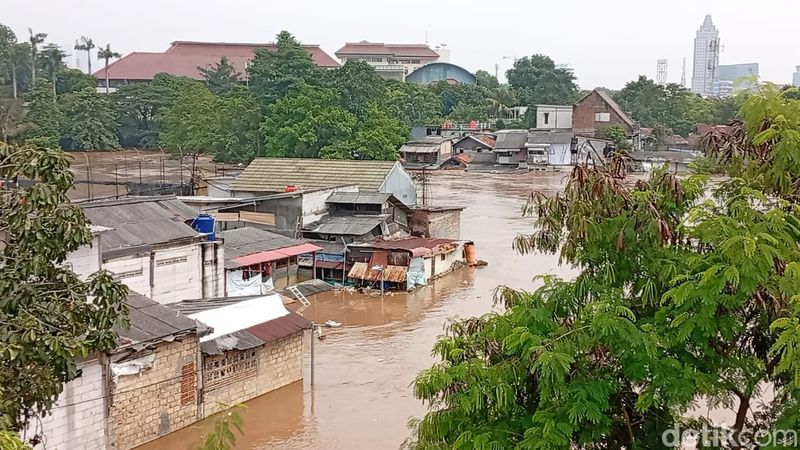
[332, 324]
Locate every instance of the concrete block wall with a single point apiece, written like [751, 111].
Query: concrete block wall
[436, 224]
[279, 363]
[77, 420]
[146, 406]
[133, 271]
[85, 260]
[177, 274]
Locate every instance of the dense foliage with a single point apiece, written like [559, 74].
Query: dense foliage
[688, 292]
[49, 317]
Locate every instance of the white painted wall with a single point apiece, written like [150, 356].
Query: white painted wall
[445, 265]
[78, 418]
[178, 273]
[85, 260]
[559, 155]
[400, 183]
[558, 117]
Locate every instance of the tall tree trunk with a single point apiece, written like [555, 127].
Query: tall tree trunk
[106, 75]
[55, 94]
[14, 79]
[89, 59]
[33, 70]
[741, 416]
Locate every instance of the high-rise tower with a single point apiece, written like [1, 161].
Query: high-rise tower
[706, 58]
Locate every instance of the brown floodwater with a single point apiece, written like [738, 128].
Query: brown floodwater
[363, 396]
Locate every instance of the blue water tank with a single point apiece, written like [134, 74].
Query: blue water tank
[204, 223]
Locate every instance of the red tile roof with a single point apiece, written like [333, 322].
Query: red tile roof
[281, 327]
[379, 48]
[183, 58]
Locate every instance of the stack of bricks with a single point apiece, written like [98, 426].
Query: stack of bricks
[153, 403]
[279, 363]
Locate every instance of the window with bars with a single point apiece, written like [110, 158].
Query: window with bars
[229, 368]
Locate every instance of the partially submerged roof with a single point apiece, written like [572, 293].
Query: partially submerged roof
[365, 198]
[247, 246]
[242, 322]
[664, 156]
[394, 274]
[481, 139]
[274, 174]
[309, 287]
[355, 225]
[417, 246]
[606, 96]
[152, 322]
[417, 148]
[511, 139]
[184, 57]
[550, 136]
[140, 222]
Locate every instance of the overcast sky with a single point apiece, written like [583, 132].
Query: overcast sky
[605, 43]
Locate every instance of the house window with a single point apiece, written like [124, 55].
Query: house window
[602, 117]
[187, 384]
[229, 368]
[441, 257]
[546, 118]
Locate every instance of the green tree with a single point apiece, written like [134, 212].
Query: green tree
[238, 139]
[90, 123]
[51, 62]
[305, 121]
[106, 54]
[377, 136]
[8, 40]
[12, 118]
[358, 85]
[272, 73]
[465, 112]
[486, 80]
[73, 80]
[45, 116]
[222, 77]
[86, 45]
[411, 103]
[222, 437]
[617, 134]
[21, 73]
[190, 123]
[679, 300]
[501, 99]
[49, 317]
[537, 80]
[34, 40]
[469, 95]
[137, 107]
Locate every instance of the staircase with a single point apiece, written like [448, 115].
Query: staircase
[300, 298]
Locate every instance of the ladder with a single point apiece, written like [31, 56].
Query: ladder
[300, 298]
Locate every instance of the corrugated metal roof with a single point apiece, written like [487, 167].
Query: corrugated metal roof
[511, 139]
[270, 255]
[419, 148]
[247, 240]
[151, 321]
[347, 225]
[140, 222]
[362, 271]
[274, 174]
[279, 328]
[310, 287]
[238, 340]
[360, 198]
[550, 137]
[417, 246]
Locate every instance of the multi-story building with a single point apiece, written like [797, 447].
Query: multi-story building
[796, 77]
[393, 61]
[730, 77]
[706, 58]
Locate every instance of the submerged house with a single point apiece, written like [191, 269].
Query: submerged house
[256, 346]
[405, 264]
[149, 245]
[360, 217]
[551, 147]
[511, 147]
[429, 150]
[596, 111]
[266, 176]
[257, 261]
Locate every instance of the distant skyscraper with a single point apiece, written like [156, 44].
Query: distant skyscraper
[706, 58]
[730, 77]
[796, 77]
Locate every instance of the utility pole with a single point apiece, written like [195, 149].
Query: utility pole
[313, 331]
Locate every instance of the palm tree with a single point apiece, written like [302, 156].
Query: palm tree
[86, 44]
[106, 54]
[52, 59]
[35, 39]
[18, 57]
[501, 99]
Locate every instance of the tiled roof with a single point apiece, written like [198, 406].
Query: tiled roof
[274, 174]
[379, 48]
[183, 58]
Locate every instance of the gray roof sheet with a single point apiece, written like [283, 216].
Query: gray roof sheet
[511, 139]
[238, 340]
[151, 321]
[274, 174]
[139, 222]
[309, 287]
[549, 137]
[417, 148]
[248, 240]
[347, 225]
[360, 198]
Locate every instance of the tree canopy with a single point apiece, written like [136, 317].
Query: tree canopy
[537, 80]
[680, 298]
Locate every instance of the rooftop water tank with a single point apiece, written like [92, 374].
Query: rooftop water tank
[204, 223]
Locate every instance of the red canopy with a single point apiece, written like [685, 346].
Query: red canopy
[275, 255]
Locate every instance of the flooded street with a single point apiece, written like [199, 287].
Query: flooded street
[364, 370]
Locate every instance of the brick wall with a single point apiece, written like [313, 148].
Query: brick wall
[583, 116]
[279, 363]
[436, 224]
[77, 419]
[155, 402]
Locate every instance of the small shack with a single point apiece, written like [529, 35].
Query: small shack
[429, 150]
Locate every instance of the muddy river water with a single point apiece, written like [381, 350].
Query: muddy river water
[363, 396]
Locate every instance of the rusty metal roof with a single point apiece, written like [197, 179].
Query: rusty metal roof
[394, 274]
[417, 246]
[279, 328]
